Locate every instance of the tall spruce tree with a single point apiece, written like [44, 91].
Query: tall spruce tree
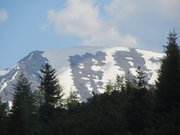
[140, 106]
[23, 116]
[53, 101]
[51, 88]
[168, 85]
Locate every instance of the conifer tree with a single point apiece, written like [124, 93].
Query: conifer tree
[109, 88]
[129, 83]
[119, 84]
[50, 87]
[140, 80]
[72, 100]
[23, 116]
[3, 117]
[139, 111]
[168, 85]
[53, 101]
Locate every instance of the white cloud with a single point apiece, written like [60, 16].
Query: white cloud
[82, 18]
[170, 9]
[110, 37]
[79, 17]
[149, 21]
[121, 8]
[3, 15]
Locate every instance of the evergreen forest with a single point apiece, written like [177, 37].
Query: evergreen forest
[129, 106]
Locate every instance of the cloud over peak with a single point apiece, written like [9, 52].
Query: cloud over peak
[82, 18]
[119, 22]
[79, 17]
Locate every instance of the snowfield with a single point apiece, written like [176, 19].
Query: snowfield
[83, 69]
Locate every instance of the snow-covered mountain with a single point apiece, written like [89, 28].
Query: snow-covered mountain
[84, 69]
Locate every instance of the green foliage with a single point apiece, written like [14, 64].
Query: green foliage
[3, 118]
[129, 82]
[168, 90]
[168, 85]
[23, 116]
[129, 105]
[50, 92]
[118, 85]
[50, 87]
[109, 87]
[140, 79]
[72, 100]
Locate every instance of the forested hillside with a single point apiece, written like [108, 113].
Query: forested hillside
[129, 106]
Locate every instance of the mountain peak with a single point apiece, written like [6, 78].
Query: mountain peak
[85, 69]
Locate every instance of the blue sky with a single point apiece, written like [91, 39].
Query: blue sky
[28, 25]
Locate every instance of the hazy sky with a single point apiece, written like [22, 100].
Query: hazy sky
[28, 25]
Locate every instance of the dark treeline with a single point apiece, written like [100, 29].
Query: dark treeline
[129, 106]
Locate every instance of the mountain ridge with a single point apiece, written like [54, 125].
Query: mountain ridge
[84, 69]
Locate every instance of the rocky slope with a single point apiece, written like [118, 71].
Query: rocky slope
[84, 69]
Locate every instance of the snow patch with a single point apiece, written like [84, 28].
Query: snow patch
[81, 65]
[131, 63]
[4, 85]
[85, 78]
[153, 67]
[133, 71]
[96, 68]
[14, 76]
[88, 85]
[80, 72]
[95, 61]
[110, 69]
[129, 58]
